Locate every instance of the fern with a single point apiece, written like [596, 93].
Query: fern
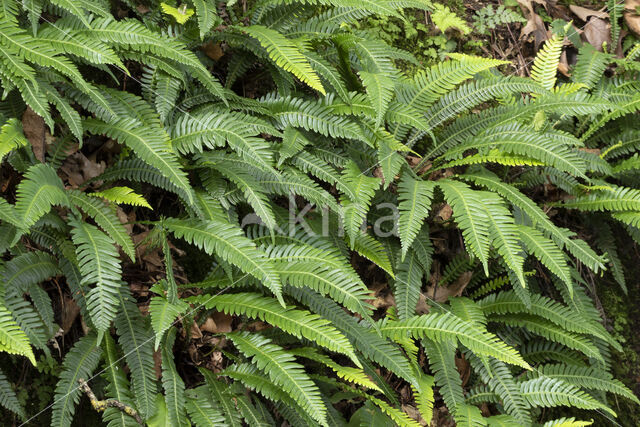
[79, 363]
[545, 66]
[99, 265]
[294, 321]
[283, 371]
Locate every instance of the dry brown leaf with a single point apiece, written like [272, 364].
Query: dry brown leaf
[443, 293]
[583, 13]
[223, 322]
[464, 368]
[213, 50]
[70, 311]
[632, 15]
[563, 65]
[196, 334]
[445, 212]
[209, 326]
[78, 169]
[596, 32]
[35, 131]
[535, 24]
[157, 363]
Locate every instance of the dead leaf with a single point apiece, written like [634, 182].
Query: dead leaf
[445, 212]
[223, 322]
[196, 334]
[209, 326]
[463, 368]
[596, 32]
[157, 363]
[213, 50]
[78, 169]
[632, 15]
[563, 65]
[583, 13]
[70, 311]
[35, 130]
[442, 293]
[535, 24]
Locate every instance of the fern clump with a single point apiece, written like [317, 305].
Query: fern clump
[355, 230]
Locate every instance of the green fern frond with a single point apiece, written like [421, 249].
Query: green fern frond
[40, 189]
[79, 363]
[446, 326]
[415, 203]
[11, 137]
[355, 210]
[136, 339]
[202, 411]
[286, 54]
[99, 264]
[545, 65]
[8, 397]
[148, 146]
[227, 242]
[471, 217]
[283, 371]
[299, 323]
[163, 313]
[12, 339]
[551, 331]
[365, 340]
[105, 218]
[118, 386]
[354, 375]
[122, 195]
[585, 377]
[551, 392]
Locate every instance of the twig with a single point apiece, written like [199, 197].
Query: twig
[101, 405]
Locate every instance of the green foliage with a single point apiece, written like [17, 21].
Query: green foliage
[489, 18]
[332, 300]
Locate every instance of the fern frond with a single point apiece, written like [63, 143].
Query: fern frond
[148, 146]
[118, 386]
[202, 411]
[40, 189]
[363, 188]
[365, 340]
[585, 377]
[218, 392]
[11, 137]
[8, 397]
[379, 91]
[299, 323]
[122, 195]
[99, 264]
[446, 326]
[136, 340]
[551, 392]
[105, 218]
[286, 54]
[550, 331]
[354, 375]
[471, 217]
[12, 339]
[163, 313]
[442, 362]
[283, 371]
[79, 363]
[415, 202]
[227, 242]
[207, 16]
[173, 385]
[132, 34]
[545, 65]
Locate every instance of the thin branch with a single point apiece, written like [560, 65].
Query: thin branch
[101, 405]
